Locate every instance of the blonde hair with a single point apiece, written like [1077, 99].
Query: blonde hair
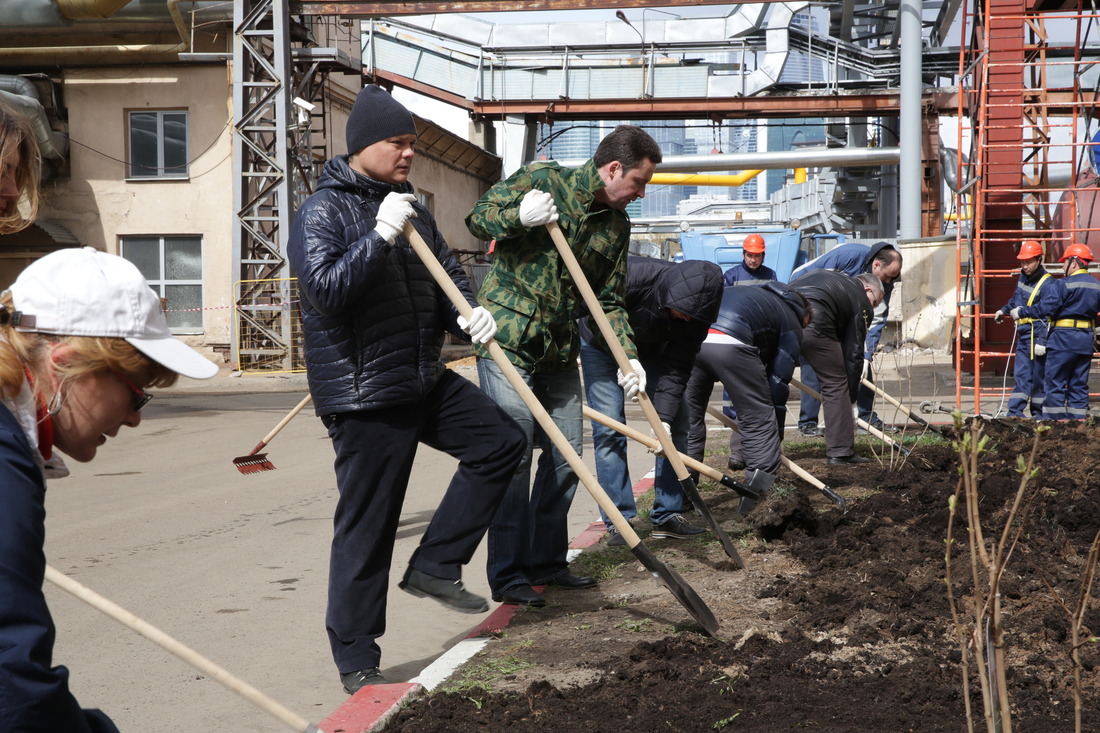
[16, 136]
[22, 350]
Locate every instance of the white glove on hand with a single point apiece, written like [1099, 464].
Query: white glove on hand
[866, 369]
[393, 212]
[537, 209]
[659, 451]
[1015, 313]
[1040, 350]
[481, 325]
[999, 317]
[634, 383]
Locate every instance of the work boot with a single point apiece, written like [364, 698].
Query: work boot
[615, 538]
[849, 460]
[676, 528]
[360, 678]
[879, 425]
[450, 593]
[809, 430]
[735, 463]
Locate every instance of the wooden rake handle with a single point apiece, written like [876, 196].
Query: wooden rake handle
[443, 278]
[166, 642]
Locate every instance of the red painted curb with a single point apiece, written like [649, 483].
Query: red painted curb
[372, 707]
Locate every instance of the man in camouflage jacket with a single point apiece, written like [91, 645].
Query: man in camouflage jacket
[535, 303]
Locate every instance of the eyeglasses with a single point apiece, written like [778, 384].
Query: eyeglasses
[140, 397]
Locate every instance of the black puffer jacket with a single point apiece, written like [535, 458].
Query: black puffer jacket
[769, 318]
[372, 314]
[653, 286]
[842, 313]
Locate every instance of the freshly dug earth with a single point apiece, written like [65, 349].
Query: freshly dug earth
[839, 622]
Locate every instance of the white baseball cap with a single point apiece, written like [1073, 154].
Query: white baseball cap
[85, 292]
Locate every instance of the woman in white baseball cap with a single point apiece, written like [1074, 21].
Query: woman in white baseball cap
[82, 336]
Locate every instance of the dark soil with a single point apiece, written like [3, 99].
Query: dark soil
[839, 622]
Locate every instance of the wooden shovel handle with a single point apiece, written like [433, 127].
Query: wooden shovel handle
[187, 654]
[524, 391]
[617, 350]
[649, 442]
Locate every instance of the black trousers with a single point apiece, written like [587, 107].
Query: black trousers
[374, 458]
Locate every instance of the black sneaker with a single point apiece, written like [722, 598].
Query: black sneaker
[878, 425]
[735, 464]
[809, 431]
[360, 678]
[676, 528]
[615, 538]
[450, 593]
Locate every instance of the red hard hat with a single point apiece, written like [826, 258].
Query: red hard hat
[754, 243]
[1029, 249]
[1080, 251]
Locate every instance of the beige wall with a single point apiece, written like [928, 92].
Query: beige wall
[923, 304]
[98, 203]
[453, 195]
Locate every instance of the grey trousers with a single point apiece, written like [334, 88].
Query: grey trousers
[826, 358]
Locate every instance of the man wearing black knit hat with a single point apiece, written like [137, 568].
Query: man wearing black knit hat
[374, 322]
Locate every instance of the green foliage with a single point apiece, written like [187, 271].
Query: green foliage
[480, 676]
[635, 626]
[724, 722]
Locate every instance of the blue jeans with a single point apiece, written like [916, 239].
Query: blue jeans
[606, 396]
[529, 536]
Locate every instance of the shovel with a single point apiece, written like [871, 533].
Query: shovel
[912, 415]
[255, 461]
[187, 654]
[679, 588]
[617, 350]
[797, 470]
[653, 444]
[859, 421]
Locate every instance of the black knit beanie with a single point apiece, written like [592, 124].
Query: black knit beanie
[376, 116]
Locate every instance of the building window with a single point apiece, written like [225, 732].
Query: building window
[427, 199]
[158, 144]
[173, 267]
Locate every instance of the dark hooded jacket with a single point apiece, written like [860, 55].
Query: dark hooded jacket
[373, 316]
[841, 313]
[769, 318]
[653, 286]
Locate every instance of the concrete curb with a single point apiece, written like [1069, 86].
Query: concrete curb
[371, 708]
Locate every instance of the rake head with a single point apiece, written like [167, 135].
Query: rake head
[253, 463]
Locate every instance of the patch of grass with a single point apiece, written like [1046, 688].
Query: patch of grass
[481, 675]
[635, 625]
[720, 724]
[602, 563]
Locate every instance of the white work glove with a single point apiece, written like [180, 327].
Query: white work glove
[1015, 313]
[659, 451]
[393, 212]
[481, 325]
[999, 317]
[634, 383]
[866, 369]
[1040, 350]
[537, 209]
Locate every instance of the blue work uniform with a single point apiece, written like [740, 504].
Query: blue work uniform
[741, 275]
[1069, 345]
[1029, 368]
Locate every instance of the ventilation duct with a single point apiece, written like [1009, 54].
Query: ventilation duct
[24, 95]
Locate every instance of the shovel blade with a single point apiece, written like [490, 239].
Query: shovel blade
[679, 588]
[691, 492]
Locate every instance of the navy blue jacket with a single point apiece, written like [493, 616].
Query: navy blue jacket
[855, 259]
[373, 316]
[841, 313]
[743, 275]
[1078, 298]
[652, 287]
[34, 694]
[1034, 331]
[769, 318]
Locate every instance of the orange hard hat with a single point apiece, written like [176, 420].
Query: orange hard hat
[1080, 251]
[754, 243]
[1029, 249]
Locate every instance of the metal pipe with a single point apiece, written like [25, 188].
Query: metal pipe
[909, 173]
[697, 179]
[23, 94]
[63, 54]
[802, 158]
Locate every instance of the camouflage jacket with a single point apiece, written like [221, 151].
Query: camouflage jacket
[528, 289]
